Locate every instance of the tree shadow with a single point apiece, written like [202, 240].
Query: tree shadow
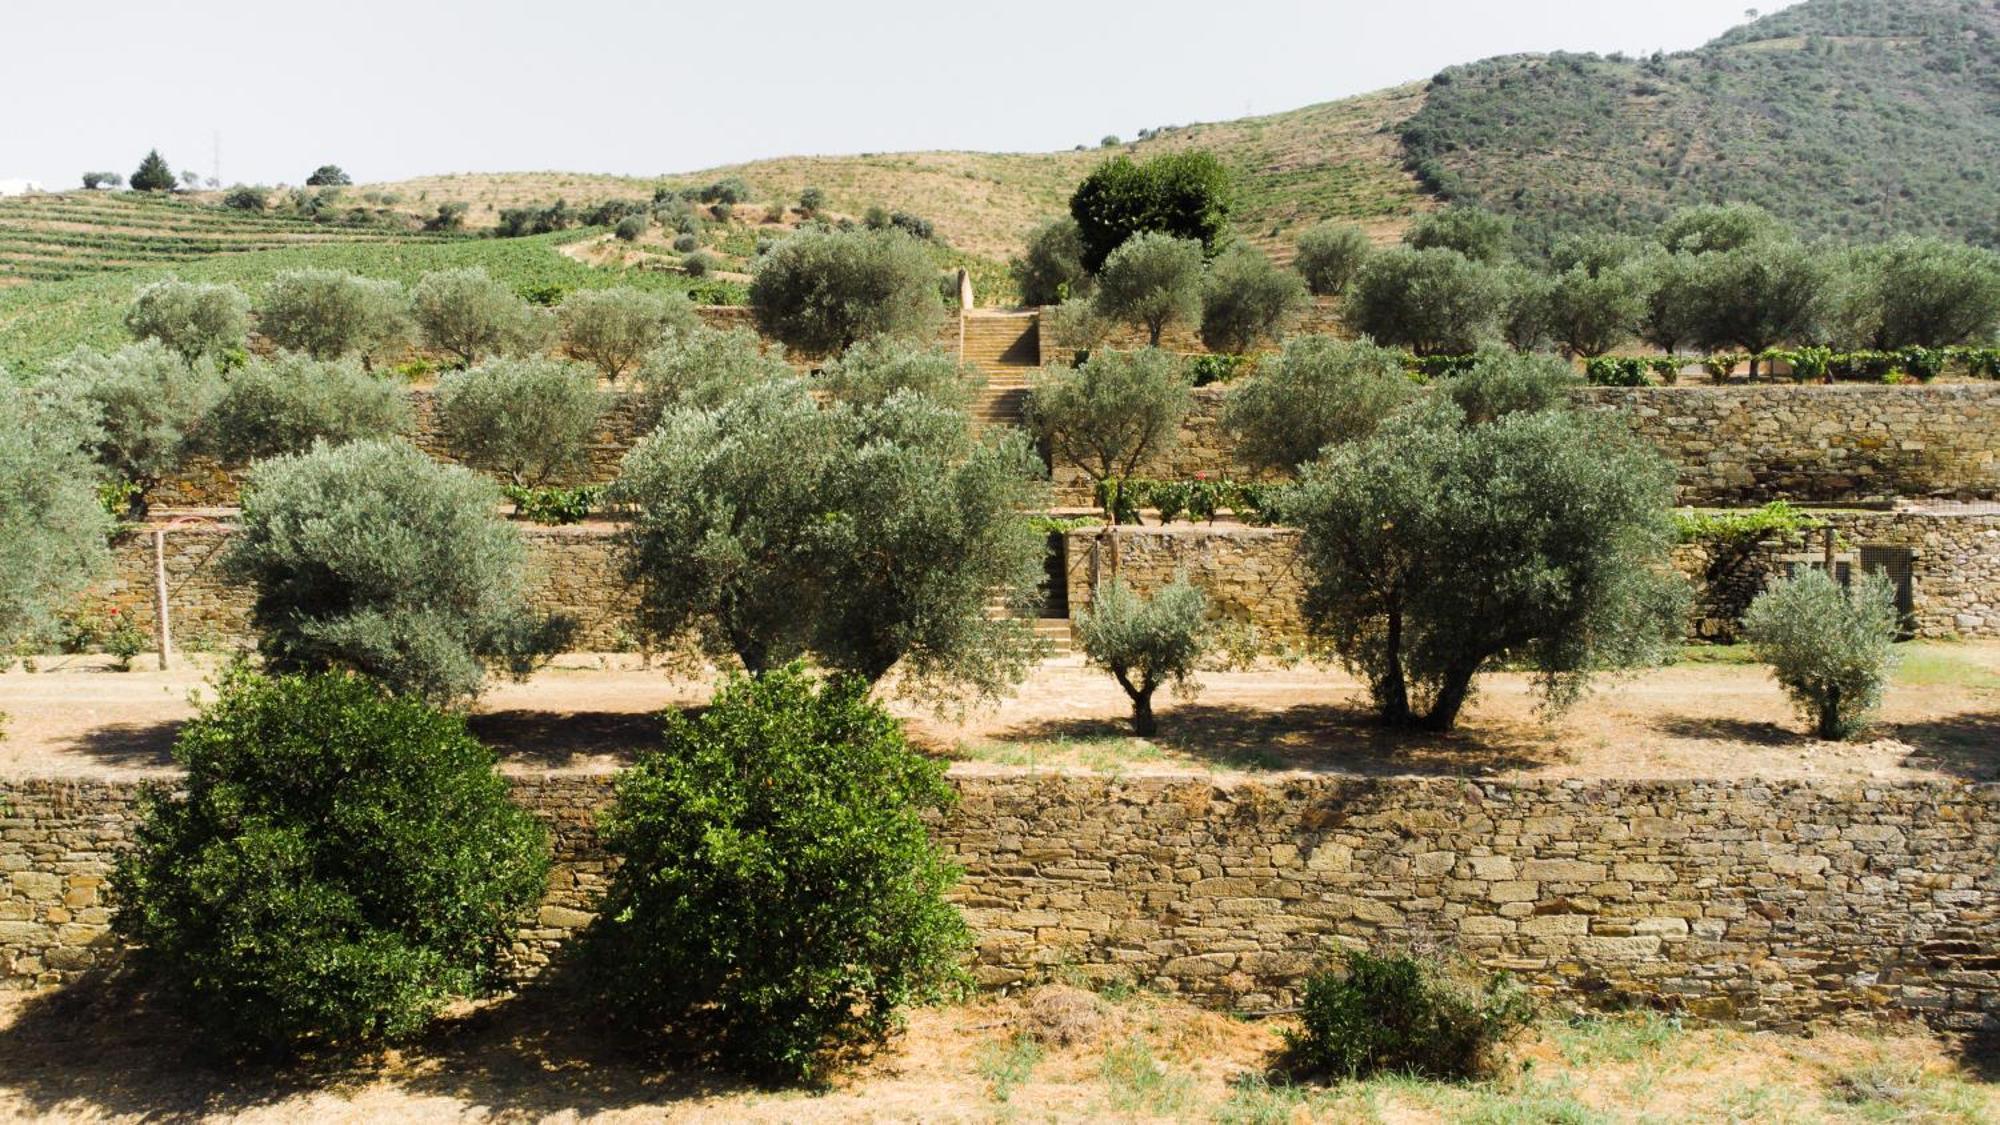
[1719, 728]
[566, 739]
[129, 745]
[1979, 1054]
[1964, 745]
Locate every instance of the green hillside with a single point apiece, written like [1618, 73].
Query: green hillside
[1851, 118]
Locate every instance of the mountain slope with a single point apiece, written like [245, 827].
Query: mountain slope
[1854, 118]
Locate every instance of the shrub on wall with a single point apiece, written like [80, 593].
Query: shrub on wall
[194, 320]
[149, 407]
[286, 403]
[527, 421]
[1145, 642]
[820, 292]
[613, 328]
[1401, 1014]
[869, 373]
[328, 314]
[1829, 648]
[338, 865]
[52, 528]
[778, 898]
[701, 367]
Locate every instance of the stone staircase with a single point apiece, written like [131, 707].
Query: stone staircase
[1006, 347]
[1054, 630]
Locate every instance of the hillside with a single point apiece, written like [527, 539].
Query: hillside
[1850, 118]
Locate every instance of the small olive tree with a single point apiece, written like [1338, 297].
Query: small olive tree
[1831, 649]
[1050, 271]
[1316, 392]
[1922, 292]
[1433, 302]
[528, 421]
[1145, 642]
[1110, 413]
[1472, 231]
[195, 320]
[614, 328]
[1591, 312]
[1153, 280]
[701, 367]
[820, 292]
[1329, 255]
[328, 314]
[52, 528]
[1245, 301]
[471, 316]
[150, 408]
[373, 557]
[869, 373]
[270, 407]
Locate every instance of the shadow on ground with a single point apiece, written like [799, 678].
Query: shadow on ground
[1964, 745]
[1722, 729]
[559, 739]
[129, 745]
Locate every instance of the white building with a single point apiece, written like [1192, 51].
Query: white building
[20, 187]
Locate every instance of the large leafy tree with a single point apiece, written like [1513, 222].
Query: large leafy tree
[1245, 301]
[1181, 194]
[1109, 413]
[820, 292]
[1146, 643]
[52, 529]
[1153, 280]
[1760, 295]
[1050, 271]
[1589, 311]
[1314, 393]
[1921, 292]
[153, 174]
[1437, 548]
[1431, 301]
[1472, 231]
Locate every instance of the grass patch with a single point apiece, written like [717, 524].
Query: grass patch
[1932, 664]
[1138, 1082]
[1007, 1064]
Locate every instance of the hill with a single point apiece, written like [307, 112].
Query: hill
[1850, 118]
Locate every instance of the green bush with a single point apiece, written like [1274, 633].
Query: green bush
[778, 899]
[1476, 233]
[243, 197]
[1154, 280]
[1400, 1014]
[630, 228]
[153, 174]
[870, 372]
[338, 865]
[1246, 301]
[328, 314]
[1497, 384]
[1051, 270]
[613, 328]
[1181, 195]
[468, 314]
[1111, 412]
[373, 557]
[554, 506]
[1329, 255]
[1145, 642]
[686, 243]
[1210, 368]
[1315, 392]
[1831, 649]
[328, 175]
[701, 367]
[527, 421]
[286, 403]
[195, 320]
[697, 264]
[1617, 371]
[812, 200]
[820, 292]
[1434, 302]
[52, 528]
[149, 406]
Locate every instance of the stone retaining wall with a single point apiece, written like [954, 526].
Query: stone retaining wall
[1773, 905]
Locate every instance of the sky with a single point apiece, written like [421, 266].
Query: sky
[390, 89]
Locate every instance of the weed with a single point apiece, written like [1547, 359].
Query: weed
[1140, 1083]
[1006, 1064]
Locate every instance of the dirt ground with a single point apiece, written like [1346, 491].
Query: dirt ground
[1056, 1053]
[1708, 716]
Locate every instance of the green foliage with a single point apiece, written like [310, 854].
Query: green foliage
[153, 174]
[1109, 413]
[1145, 642]
[328, 175]
[469, 314]
[812, 200]
[1051, 270]
[1202, 498]
[52, 529]
[1436, 547]
[373, 557]
[1183, 195]
[194, 320]
[554, 506]
[1316, 392]
[1830, 648]
[149, 406]
[1617, 371]
[820, 292]
[1737, 528]
[244, 197]
[1758, 296]
[1245, 300]
[1330, 255]
[1434, 302]
[873, 371]
[1672, 283]
[519, 222]
[778, 899]
[697, 264]
[1719, 229]
[1497, 384]
[613, 328]
[1922, 292]
[1397, 1013]
[701, 367]
[1591, 312]
[328, 314]
[731, 189]
[338, 866]
[1210, 368]
[1524, 307]
[1474, 232]
[771, 527]
[630, 228]
[270, 407]
[527, 421]
[1153, 280]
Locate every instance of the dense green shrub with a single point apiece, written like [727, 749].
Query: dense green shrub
[338, 866]
[1152, 279]
[471, 316]
[153, 174]
[1110, 412]
[1758, 296]
[697, 264]
[149, 407]
[1051, 271]
[1496, 384]
[328, 175]
[1246, 301]
[1145, 642]
[686, 243]
[244, 197]
[1330, 254]
[1433, 302]
[1182, 195]
[519, 222]
[870, 372]
[554, 506]
[1209, 369]
[1474, 232]
[328, 314]
[731, 189]
[284, 404]
[630, 228]
[613, 328]
[1591, 311]
[1719, 229]
[1617, 371]
[52, 528]
[812, 200]
[1830, 648]
[820, 292]
[1401, 1014]
[1922, 292]
[527, 421]
[702, 366]
[195, 320]
[1315, 392]
[778, 899]
[373, 557]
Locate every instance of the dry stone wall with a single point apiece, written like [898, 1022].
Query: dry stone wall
[1775, 905]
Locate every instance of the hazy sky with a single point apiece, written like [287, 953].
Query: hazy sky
[395, 88]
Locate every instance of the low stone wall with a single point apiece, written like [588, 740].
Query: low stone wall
[1774, 905]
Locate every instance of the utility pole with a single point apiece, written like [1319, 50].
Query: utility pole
[215, 171]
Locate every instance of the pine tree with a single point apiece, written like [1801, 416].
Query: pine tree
[153, 174]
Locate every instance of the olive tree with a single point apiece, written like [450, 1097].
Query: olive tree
[1314, 393]
[1590, 312]
[466, 313]
[1673, 294]
[820, 292]
[285, 403]
[1145, 642]
[528, 421]
[328, 314]
[1499, 383]
[1922, 292]
[1474, 232]
[195, 320]
[701, 367]
[1329, 255]
[1759, 296]
[1108, 414]
[374, 558]
[1433, 302]
[870, 372]
[1435, 549]
[149, 405]
[1830, 648]
[52, 528]
[614, 328]
[1245, 301]
[1524, 307]
[1152, 280]
[1719, 228]
[1050, 271]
